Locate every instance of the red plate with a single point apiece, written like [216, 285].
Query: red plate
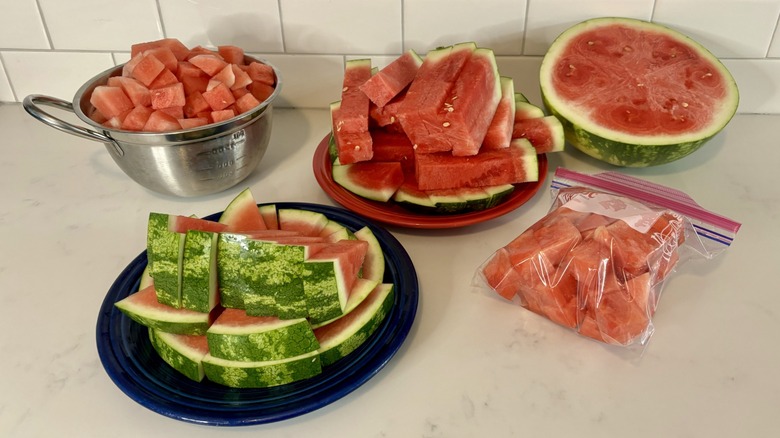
[393, 214]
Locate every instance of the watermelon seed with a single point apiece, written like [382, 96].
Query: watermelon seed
[685, 104]
[706, 75]
[590, 43]
[345, 89]
[628, 49]
[445, 124]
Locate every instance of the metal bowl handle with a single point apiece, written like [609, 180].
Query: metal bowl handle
[32, 105]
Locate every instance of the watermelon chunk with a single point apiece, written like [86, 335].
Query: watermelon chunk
[184, 353]
[393, 147]
[499, 133]
[209, 63]
[392, 79]
[231, 54]
[168, 96]
[261, 73]
[304, 222]
[544, 133]
[515, 164]
[135, 90]
[160, 121]
[110, 101]
[372, 180]
[144, 308]
[219, 97]
[350, 115]
[174, 45]
[420, 113]
[234, 335]
[147, 69]
[136, 119]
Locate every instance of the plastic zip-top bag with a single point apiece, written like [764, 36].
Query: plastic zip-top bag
[598, 261]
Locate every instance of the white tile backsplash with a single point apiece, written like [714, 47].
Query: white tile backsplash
[21, 26]
[100, 24]
[342, 26]
[54, 46]
[497, 24]
[729, 29]
[56, 74]
[548, 18]
[252, 25]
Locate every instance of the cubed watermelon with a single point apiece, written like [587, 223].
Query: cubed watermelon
[147, 69]
[260, 90]
[219, 97]
[174, 45]
[242, 78]
[231, 54]
[222, 115]
[159, 121]
[246, 103]
[260, 72]
[225, 76]
[168, 96]
[195, 103]
[136, 119]
[166, 56]
[110, 101]
[165, 78]
[210, 64]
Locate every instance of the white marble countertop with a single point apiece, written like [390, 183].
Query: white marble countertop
[472, 366]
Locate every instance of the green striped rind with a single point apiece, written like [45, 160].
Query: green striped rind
[199, 271]
[625, 149]
[275, 277]
[178, 355]
[359, 292]
[333, 150]
[469, 200]
[374, 264]
[359, 330]
[232, 250]
[413, 199]
[263, 374]
[163, 250]
[262, 342]
[621, 153]
[146, 279]
[324, 289]
[174, 321]
[497, 194]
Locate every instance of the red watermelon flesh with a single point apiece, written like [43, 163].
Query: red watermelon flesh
[469, 110]
[231, 54]
[393, 146]
[110, 101]
[136, 119]
[555, 299]
[499, 133]
[500, 275]
[420, 113]
[261, 73]
[351, 119]
[147, 69]
[210, 64]
[242, 214]
[175, 46]
[544, 133]
[160, 121]
[135, 90]
[350, 255]
[272, 233]
[168, 96]
[182, 224]
[621, 313]
[379, 180]
[442, 170]
[164, 55]
[388, 82]
[352, 146]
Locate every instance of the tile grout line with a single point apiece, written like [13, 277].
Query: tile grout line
[160, 17]
[45, 26]
[525, 26]
[281, 25]
[8, 79]
[772, 38]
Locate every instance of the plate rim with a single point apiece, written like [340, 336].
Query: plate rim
[398, 216]
[369, 359]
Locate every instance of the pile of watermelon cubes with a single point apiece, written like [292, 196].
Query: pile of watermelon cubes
[167, 87]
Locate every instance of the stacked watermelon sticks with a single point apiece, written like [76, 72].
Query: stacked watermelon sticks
[262, 297]
[445, 134]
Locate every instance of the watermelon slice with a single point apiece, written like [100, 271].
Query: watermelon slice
[184, 353]
[525, 109]
[199, 290]
[374, 264]
[350, 115]
[143, 308]
[234, 335]
[420, 113]
[377, 181]
[305, 222]
[242, 214]
[635, 93]
[545, 133]
[392, 79]
[515, 164]
[263, 374]
[269, 215]
[499, 133]
[328, 277]
[164, 251]
[342, 336]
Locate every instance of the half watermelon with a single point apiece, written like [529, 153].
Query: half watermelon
[634, 93]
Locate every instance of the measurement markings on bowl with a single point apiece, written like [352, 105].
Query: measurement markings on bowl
[222, 161]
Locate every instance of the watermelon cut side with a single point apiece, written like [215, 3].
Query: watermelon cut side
[263, 374]
[270, 218]
[328, 278]
[545, 133]
[420, 113]
[305, 222]
[234, 335]
[344, 335]
[499, 133]
[374, 264]
[242, 214]
[392, 79]
[184, 353]
[350, 115]
[143, 308]
[634, 93]
[377, 181]
[515, 164]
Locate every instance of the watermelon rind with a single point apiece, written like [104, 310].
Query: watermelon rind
[333, 150]
[360, 291]
[341, 177]
[530, 162]
[353, 334]
[199, 271]
[164, 252]
[262, 374]
[498, 194]
[334, 231]
[413, 199]
[374, 264]
[324, 289]
[623, 148]
[162, 316]
[146, 279]
[268, 213]
[309, 223]
[527, 110]
[262, 341]
[180, 356]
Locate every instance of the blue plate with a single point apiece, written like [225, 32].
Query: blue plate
[134, 366]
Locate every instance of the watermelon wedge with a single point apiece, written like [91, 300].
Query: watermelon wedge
[634, 93]
[184, 353]
[261, 374]
[143, 308]
[499, 133]
[373, 180]
[242, 214]
[392, 79]
[350, 115]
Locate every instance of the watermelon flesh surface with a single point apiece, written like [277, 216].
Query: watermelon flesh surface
[499, 133]
[382, 87]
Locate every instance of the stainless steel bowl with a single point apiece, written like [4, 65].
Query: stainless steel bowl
[191, 162]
